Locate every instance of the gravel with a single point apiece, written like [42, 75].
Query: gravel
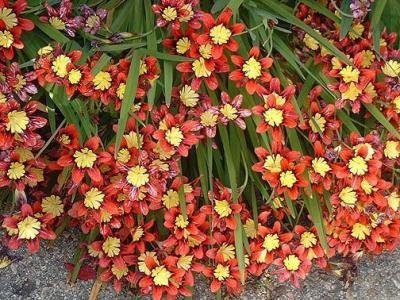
[43, 276]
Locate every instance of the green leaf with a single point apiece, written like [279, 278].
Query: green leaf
[322, 9]
[283, 13]
[101, 63]
[377, 10]
[382, 119]
[168, 81]
[49, 30]
[313, 206]
[345, 25]
[129, 95]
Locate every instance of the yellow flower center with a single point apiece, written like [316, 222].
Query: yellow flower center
[317, 123]
[208, 118]
[205, 51]
[320, 166]
[292, 262]
[138, 176]
[222, 208]
[394, 201]
[3, 98]
[142, 261]
[392, 149]
[8, 17]
[57, 23]
[220, 34]
[185, 262]
[308, 239]
[356, 31]
[45, 50]
[273, 117]
[133, 140]
[52, 205]
[391, 68]
[367, 57]
[64, 139]
[188, 96]
[143, 67]
[352, 92]
[396, 102]
[366, 187]
[369, 147]
[358, 166]
[271, 242]
[74, 76]
[119, 272]
[123, 156]
[6, 39]
[181, 221]
[229, 112]
[174, 136]
[92, 21]
[287, 179]
[183, 45]
[336, 64]
[200, 69]
[221, 272]
[250, 228]
[21, 82]
[277, 202]
[360, 231]
[227, 251]
[111, 246]
[24, 154]
[93, 198]
[189, 13]
[170, 199]
[169, 13]
[121, 90]
[17, 121]
[102, 81]
[59, 65]
[310, 42]
[161, 276]
[16, 170]
[349, 74]
[85, 158]
[272, 163]
[252, 68]
[137, 233]
[28, 228]
[348, 196]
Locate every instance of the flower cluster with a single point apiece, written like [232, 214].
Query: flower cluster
[156, 191]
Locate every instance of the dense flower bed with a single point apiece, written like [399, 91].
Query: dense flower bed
[231, 166]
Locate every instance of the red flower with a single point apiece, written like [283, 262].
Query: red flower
[17, 171]
[223, 209]
[12, 26]
[321, 123]
[85, 160]
[276, 111]
[283, 172]
[177, 135]
[253, 72]
[29, 226]
[223, 275]
[18, 126]
[186, 232]
[220, 33]
[266, 247]
[230, 110]
[293, 265]
[175, 12]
